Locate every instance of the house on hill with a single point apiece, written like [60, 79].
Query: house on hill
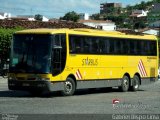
[154, 16]
[4, 15]
[26, 17]
[100, 24]
[151, 32]
[84, 16]
[45, 19]
[139, 13]
[31, 18]
[107, 8]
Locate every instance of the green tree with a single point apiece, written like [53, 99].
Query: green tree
[72, 16]
[142, 6]
[127, 25]
[38, 17]
[95, 16]
[117, 19]
[5, 41]
[139, 24]
[156, 1]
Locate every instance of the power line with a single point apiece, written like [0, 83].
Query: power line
[14, 9]
[31, 10]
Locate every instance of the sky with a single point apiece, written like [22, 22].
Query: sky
[56, 8]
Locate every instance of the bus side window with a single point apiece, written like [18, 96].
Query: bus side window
[86, 45]
[132, 47]
[111, 46]
[147, 46]
[71, 45]
[57, 41]
[95, 45]
[78, 48]
[102, 46]
[153, 48]
[117, 46]
[139, 48]
[142, 48]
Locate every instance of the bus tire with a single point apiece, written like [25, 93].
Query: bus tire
[69, 87]
[135, 83]
[125, 84]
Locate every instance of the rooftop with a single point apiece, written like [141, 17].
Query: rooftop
[84, 31]
[95, 21]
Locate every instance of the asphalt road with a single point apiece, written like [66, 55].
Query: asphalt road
[95, 102]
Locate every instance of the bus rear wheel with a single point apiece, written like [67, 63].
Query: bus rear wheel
[135, 83]
[125, 84]
[69, 87]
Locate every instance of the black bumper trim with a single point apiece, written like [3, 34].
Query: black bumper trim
[42, 86]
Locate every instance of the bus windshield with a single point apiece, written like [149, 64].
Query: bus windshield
[31, 53]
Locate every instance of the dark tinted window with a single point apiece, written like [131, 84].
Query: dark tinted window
[113, 46]
[31, 53]
[58, 53]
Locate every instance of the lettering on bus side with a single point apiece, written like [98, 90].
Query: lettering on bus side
[89, 62]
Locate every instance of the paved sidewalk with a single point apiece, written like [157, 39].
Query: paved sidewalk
[3, 80]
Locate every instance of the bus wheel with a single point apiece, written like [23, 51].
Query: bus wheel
[125, 84]
[136, 83]
[69, 87]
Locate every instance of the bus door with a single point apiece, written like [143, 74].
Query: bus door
[58, 54]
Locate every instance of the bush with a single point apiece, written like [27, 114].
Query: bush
[5, 41]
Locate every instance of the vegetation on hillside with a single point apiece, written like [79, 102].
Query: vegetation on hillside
[70, 16]
[38, 17]
[123, 19]
[5, 41]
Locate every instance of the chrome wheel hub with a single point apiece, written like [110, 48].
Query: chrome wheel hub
[125, 83]
[68, 87]
[135, 84]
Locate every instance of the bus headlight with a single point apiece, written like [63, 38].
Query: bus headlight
[11, 78]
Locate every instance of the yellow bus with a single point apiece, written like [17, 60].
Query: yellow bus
[44, 60]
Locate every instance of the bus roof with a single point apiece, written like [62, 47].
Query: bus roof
[84, 31]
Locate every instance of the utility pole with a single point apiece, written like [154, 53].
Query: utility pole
[31, 11]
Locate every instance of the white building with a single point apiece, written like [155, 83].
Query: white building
[139, 13]
[151, 32]
[27, 17]
[4, 15]
[44, 19]
[84, 16]
[32, 18]
[104, 25]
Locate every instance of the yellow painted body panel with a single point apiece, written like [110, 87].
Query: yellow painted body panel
[98, 67]
[109, 67]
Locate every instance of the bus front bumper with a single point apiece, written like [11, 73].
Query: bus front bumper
[43, 86]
